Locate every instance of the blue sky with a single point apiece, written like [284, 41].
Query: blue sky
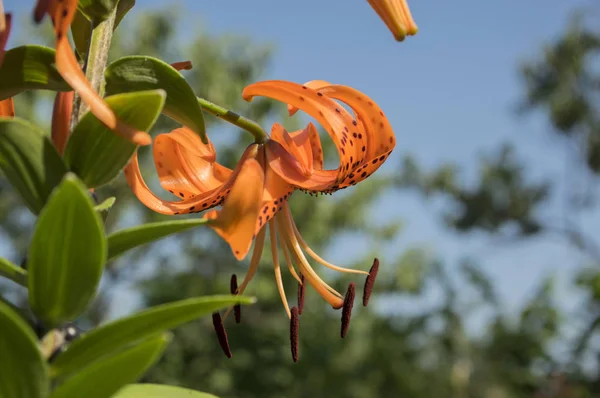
[449, 93]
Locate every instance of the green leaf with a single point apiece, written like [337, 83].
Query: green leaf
[81, 27]
[130, 238]
[29, 67]
[159, 391]
[96, 10]
[67, 254]
[137, 73]
[23, 372]
[117, 334]
[106, 376]
[13, 272]
[29, 161]
[104, 207]
[122, 9]
[95, 153]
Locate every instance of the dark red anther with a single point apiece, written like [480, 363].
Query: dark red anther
[41, 8]
[294, 330]
[237, 309]
[370, 282]
[301, 289]
[221, 334]
[347, 308]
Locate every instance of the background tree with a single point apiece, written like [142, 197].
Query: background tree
[389, 352]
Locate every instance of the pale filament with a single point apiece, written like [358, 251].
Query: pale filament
[297, 252]
[314, 255]
[277, 268]
[256, 255]
[287, 236]
[290, 265]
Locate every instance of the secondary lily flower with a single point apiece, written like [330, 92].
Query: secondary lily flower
[397, 17]
[62, 13]
[255, 194]
[7, 106]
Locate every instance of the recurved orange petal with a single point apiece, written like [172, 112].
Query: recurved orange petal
[338, 123]
[4, 35]
[41, 8]
[196, 204]
[235, 223]
[183, 65]
[186, 166]
[297, 144]
[7, 108]
[62, 12]
[287, 167]
[61, 119]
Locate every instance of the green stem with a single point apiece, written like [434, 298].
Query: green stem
[13, 272]
[260, 136]
[95, 65]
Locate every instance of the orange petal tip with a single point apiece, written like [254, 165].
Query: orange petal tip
[236, 221]
[141, 138]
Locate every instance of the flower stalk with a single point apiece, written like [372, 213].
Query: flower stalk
[95, 64]
[260, 136]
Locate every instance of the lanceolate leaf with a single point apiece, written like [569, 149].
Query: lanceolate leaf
[66, 256]
[106, 376]
[23, 372]
[137, 73]
[130, 238]
[29, 161]
[95, 153]
[159, 391]
[27, 68]
[118, 334]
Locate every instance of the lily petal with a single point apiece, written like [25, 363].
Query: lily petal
[4, 35]
[287, 167]
[186, 166]
[235, 222]
[276, 192]
[61, 119]
[62, 13]
[373, 124]
[41, 8]
[334, 118]
[297, 144]
[194, 204]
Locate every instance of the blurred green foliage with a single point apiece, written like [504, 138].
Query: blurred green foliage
[397, 347]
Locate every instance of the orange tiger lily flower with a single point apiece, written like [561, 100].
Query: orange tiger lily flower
[255, 194]
[397, 17]
[62, 13]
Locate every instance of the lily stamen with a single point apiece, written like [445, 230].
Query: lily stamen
[318, 258]
[237, 309]
[221, 334]
[370, 282]
[276, 267]
[301, 291]
[347, 309]
[294, 332]
[290, 265]
[256, 255]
